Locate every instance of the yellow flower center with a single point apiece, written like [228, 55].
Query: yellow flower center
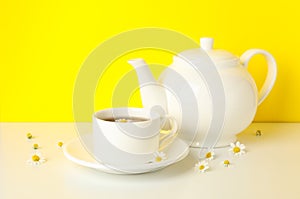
[158, 159]
[35, 146]
[35, 158]
[226, 162]
[208, 155]
[122, 120]
[29, 136]
[236, 149]
[60, 144]
[201, 167]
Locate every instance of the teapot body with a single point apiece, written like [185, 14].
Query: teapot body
[182, 91]
[240, 100]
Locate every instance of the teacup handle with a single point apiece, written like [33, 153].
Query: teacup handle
[164, 140]
[272, 71]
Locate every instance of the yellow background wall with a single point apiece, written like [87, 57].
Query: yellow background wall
[43, 44]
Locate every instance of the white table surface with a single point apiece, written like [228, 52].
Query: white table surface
[269, 169]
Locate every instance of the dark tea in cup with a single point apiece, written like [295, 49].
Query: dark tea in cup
[126, 119]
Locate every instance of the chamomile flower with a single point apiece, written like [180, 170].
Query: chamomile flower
[258, 133]
[237, 148]
[29, 136]
[201, 166]
[209, 155]
[35, 146]
[226, 163]
[122, 120]
[159, 157]
[60, 144]
[36, 159]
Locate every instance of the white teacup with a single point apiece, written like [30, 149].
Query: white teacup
[133, 130]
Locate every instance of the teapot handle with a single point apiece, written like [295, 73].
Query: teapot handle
[272, 71]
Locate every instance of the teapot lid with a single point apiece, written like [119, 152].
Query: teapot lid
[217, 56]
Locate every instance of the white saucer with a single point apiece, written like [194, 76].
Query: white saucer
[75, 152]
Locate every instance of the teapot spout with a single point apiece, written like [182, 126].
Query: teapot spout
[152, 93]
[143, 72]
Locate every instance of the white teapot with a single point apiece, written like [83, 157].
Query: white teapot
[240, 91]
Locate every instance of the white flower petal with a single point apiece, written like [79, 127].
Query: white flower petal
[201, 163]
[158, 157]
[211, 155]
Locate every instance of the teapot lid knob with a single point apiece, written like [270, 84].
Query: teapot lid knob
[206, 43]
